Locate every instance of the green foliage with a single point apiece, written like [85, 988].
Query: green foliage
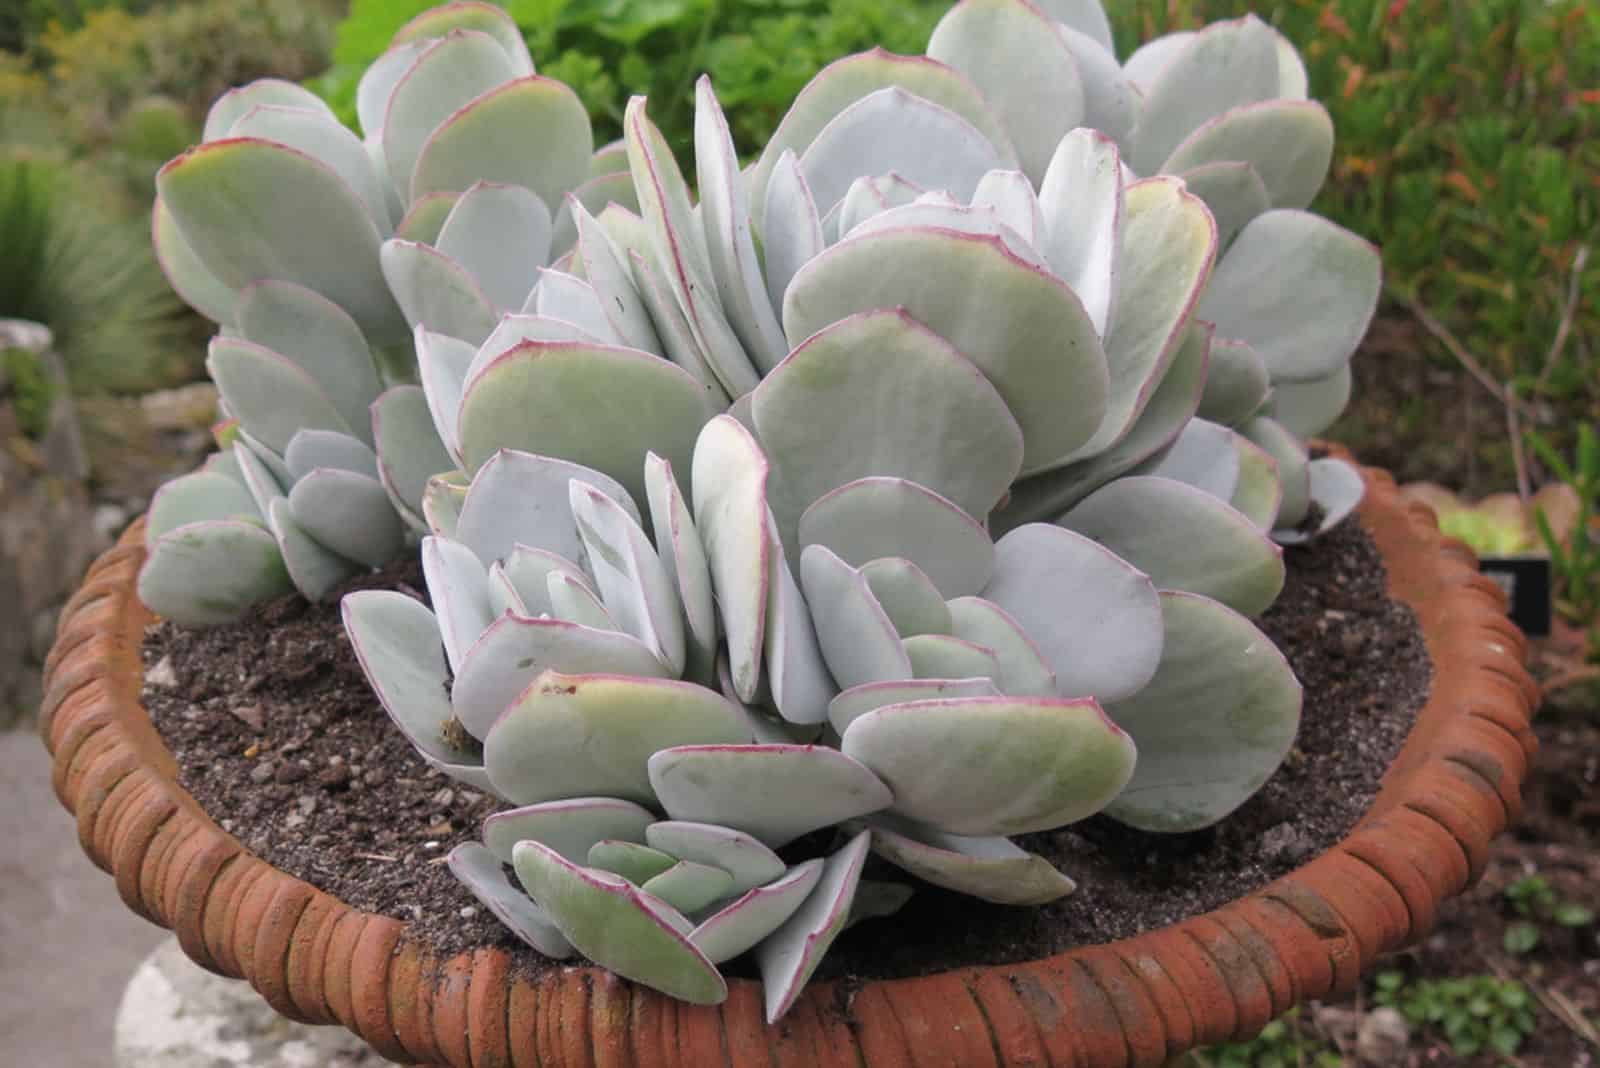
[758, 52]
[1576, 563]
[29, 389]
[1472, 1014]
[1287, 1042]
[1534, 900]
[91, 277]
[1488, 535]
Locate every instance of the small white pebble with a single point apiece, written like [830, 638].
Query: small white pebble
[468, 912]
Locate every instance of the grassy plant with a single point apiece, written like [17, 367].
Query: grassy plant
[1536, 902]
[1577, 561]
[1472, 1014]
[29, 390]
[1287, 1042]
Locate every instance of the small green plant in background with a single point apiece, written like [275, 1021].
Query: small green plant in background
[1473, 1013]
[29, 390]
[1536, 902]
[1576, 562]
[1287, 1042]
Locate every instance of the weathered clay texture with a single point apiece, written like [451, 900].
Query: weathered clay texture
[1131, 1003]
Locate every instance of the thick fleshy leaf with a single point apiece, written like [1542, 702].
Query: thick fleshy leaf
[1289, 144]
[1018, 58]
[264, 482]
[441, 504]
[470, 15]
[1010, 196]
[211, 572]
[571, 827]
[859, 642]
[1153, 57]
[891, 130]
[611, 276]
[436, 292]
[1031, 337]
[577, 735]
[929, 212]
[689, 887]
[325, 139]
[451, 73]
[607, 919]
[629, 575]
[481, 872]
[1297, 289]
[917, 410]
[857, 701]
[426, 219]
[458, 585]
[516, 328]
[867, 197]
[271, 395]
[673, 329]
[1234, 192]
[320, 337]
[350, 514]
[521, 499]
[775, 793]
[1201, 456]
[515, 650]
[1224, 701]
[679, 245]
[315, 569]
[634, 862]
[792, 952]
[1293, 467]
[1237, 384]
[500, 235]
[1087, 17]
[1081, 198]
[1185, 539]
[729, 491]
[409, 449]
[876, 517]
[1111, 104]
[1095, 618]
[749, 862]
[396, 641]
[909, 598]
[597, 195]
[252, 209]
[532, 133]
[793, 234]
[986, 766]
[684, 557]
[236, 103]
[990, 869]
[725, 210]
[378, 82]
[1171, 407]
[759, 912]
[1226, 65]
[197, 497]
[1169, 243]
[596, 405]
[797, 675]
[842, 83]
[527, 572]
[1259, 492]
[1307, 408]
[941, 656]
[1336, 488]
[188, 276]
[442, 365]
[1022, 671]
[567, 297]
[572, 599]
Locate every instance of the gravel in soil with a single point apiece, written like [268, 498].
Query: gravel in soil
[278, 737]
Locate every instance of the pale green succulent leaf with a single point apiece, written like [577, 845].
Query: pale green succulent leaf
[1289, 143]
[193, 498]
[567, 297]
[1336, 488]
[1031, 337]
[953, 217]
[629, 575]
[436, 292]
[1111, 104]
[596, 405]
[1185, 539]
[910, 599]
[519, 499]
[449, 74]
[500, 235]
[1095, 618]
[790, 955]
[877, 517]
[527, 571]
[573, 600]
[1293, 468]
[634, 862]
[991, 869]
[606, 918]
[409, 449]
[1020, 669]
[324, 138]
[1081, 198]
[442, 365]
[270, 394]
[859, 641]
[377, 85]
[942, 656]
[1147, 62]
[236, 103]
[1308, 408]
[315, 569]
[1011, 197]
[596, 195]
[482, 873]
[611, 277]
[774, 793]
[191, 279]
[684, 557]
[857, 701]
[424, 222]
[1202, 456]
[689, 886]
[673, 329]
[572, 827]
[988, 766]
[797, 674]
[745, 858]
[441, 505]
[793, 234]
[470, 15]
[1259, 492]
[728, 489]
[458, 585]
[350, 514]
[1087, 17]
[252, 209]
[1212, 726]
[1237, 383]
[761, 910]
[264, 483]
[573, 735]
[1233, 191]
[532, 133]
[211, 572]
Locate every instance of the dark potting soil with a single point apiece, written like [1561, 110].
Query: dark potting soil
[278, 737]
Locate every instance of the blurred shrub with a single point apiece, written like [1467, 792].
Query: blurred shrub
[91, 277]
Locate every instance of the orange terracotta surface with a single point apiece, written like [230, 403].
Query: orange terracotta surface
[1132, 1003]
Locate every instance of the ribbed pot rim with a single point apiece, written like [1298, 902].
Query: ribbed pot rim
[1137, 1002]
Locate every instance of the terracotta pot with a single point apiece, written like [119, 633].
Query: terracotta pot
[1136, 1002]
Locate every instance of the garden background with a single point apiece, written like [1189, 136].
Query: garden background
[1468, 149]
